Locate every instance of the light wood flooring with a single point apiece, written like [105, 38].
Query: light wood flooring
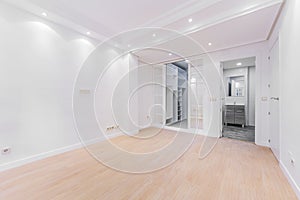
[233, 170]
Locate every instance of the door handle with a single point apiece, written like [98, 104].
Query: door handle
[275, 98]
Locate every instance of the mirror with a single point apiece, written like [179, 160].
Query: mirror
[236, 86]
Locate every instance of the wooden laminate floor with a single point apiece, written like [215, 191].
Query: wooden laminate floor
[233, 170]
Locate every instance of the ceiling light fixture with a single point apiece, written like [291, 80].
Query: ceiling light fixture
[44, 14]
[129, 45]
[154, 35]
[170, 54]
[88, 33]
[239, 64]
[190, 20]
[209, 44]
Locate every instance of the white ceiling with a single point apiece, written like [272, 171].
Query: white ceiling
[225, 23]
[108, 17]
[241, 30]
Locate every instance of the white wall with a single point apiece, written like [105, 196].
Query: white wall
[115, 105]
[39, 62]
[288, 29]
[145, 95]
[208, 73]
[38, 65]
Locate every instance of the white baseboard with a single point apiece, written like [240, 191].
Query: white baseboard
[262, 144]
[290, 179]
[30, 159]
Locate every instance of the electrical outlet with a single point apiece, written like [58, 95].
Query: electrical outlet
[293, 162]
[5, 150]
[292, 159]
[110, 128]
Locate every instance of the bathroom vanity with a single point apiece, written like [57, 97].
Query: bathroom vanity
[235, 114]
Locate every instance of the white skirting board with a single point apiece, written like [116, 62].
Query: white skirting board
[30, 159]
[290, 179]
[263, 144]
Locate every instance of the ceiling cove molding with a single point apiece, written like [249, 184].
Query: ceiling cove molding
[193, 6]
[180, 12]
[195, 56]
[54, 18]
[276, 20]
[224, 18]
[232, 15]
[189, 8]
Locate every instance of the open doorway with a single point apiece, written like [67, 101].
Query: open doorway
[177, 94]
[238, 104]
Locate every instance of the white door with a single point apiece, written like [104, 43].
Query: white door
[274, 101]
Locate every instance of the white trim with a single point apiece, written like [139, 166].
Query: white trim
[30, 159]
[174, 15]
[263, 144]
[293, 183]
[180, 12]
[33, 9]
[233, 15]
[41, 156]
[230, 15]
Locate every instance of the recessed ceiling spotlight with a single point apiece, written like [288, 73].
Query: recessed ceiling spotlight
[128, 45]
[239, 64]
[170, 54]
[154, 35]
[88, 33]
[209, 44]
[44, 14]
[187, 61]
[190, 20]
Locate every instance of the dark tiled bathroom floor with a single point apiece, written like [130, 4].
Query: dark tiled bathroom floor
[239, 133]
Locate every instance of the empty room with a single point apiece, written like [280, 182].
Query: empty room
[142, 99]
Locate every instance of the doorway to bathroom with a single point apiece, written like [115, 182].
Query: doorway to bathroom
[238, 101]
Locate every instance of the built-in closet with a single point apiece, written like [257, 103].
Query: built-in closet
[176, 94]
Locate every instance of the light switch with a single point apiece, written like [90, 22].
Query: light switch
[264, 99]
[85, 91]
